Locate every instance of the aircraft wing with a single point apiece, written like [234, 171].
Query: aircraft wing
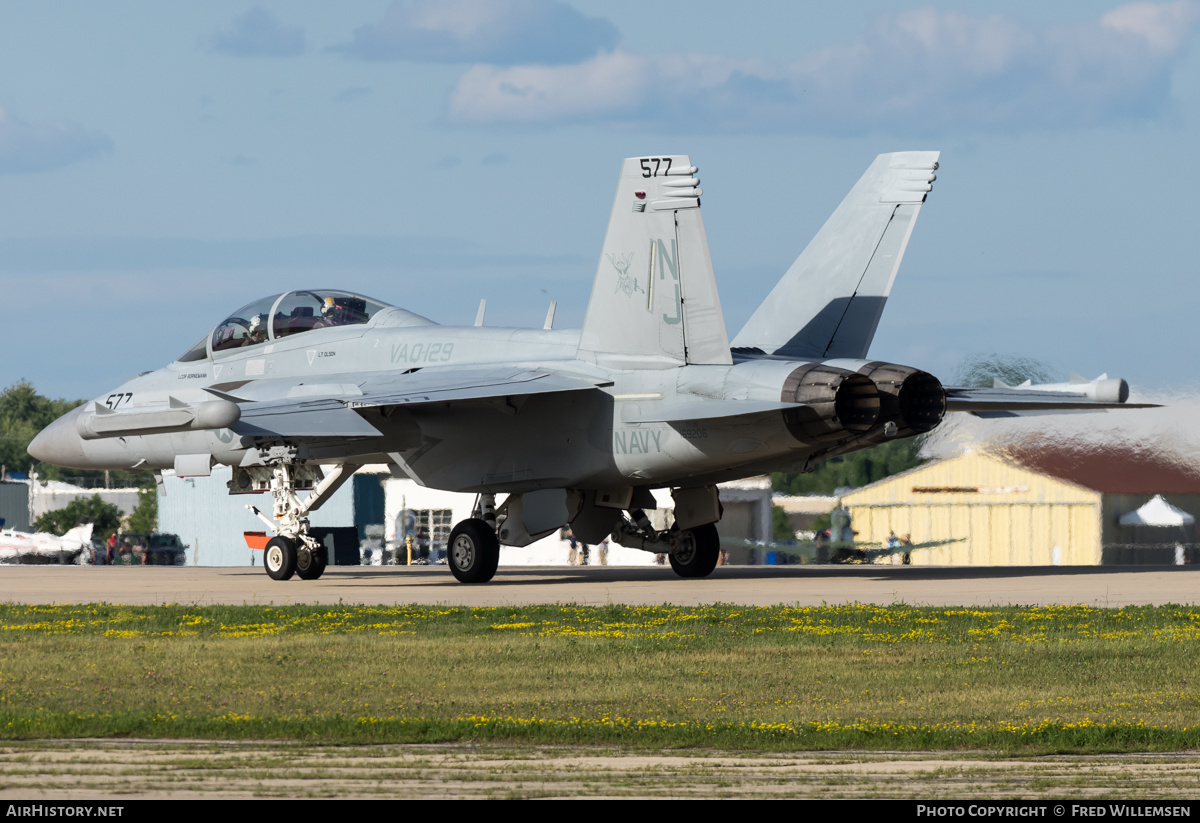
[1012, 402]
[444, 385]
[329, 410]
[326, 417]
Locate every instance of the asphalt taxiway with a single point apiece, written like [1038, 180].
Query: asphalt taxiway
[594, 585]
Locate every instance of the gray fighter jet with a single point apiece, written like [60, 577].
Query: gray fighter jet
[298, 390]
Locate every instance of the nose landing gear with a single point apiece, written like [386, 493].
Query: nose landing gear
[293, 551]
[280, 558]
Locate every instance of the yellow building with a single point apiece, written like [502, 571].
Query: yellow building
[1032, 506]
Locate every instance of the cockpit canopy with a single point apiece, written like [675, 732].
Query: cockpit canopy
[282, 315]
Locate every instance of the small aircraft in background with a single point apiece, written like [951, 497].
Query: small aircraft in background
[74, 547]
[298, 390]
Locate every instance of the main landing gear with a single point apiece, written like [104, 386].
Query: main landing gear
[693, 552]
[474, 549]
[697, 553]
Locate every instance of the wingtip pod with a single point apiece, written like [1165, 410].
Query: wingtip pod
[1107, 389]
[829, 302]
[1040, 398]
[1103, 389]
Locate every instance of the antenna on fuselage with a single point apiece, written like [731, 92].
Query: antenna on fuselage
[479, 314]
[549, 324]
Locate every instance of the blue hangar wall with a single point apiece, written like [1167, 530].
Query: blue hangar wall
[210, 521]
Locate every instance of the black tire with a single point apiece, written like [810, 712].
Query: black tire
[473, 551]
[279, 559]
[698, 552]
[310, 565]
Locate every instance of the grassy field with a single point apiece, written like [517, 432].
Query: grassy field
[1050, 679]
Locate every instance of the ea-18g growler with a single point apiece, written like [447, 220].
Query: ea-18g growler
[298, 390]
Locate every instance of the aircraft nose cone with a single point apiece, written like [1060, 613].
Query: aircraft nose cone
[59, 443]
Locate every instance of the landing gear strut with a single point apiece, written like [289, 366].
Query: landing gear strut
[693, 552]
[293, 550]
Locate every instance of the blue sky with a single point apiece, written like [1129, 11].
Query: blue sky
[163, 164]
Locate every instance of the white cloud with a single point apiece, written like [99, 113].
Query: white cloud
[1163, 26]
[47, 146]
[257, 34]
[503, 32]
[921, 70]
[610, 86]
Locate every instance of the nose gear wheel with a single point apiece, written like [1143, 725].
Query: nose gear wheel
[280, 558]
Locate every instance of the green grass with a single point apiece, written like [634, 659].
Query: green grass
[1062, 679]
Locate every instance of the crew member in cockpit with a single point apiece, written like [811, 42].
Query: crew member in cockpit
[341, 311]
[258, 330]
[331, 314]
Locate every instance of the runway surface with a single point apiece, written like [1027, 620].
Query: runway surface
[745, 585]
[118, 770]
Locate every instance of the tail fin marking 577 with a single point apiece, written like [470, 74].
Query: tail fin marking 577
[654, 301]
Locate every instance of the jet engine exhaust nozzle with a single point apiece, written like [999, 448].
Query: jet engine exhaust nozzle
[836, 403]
[913, 399]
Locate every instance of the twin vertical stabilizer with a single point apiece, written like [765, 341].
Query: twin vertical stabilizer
[654, 301]
[829, 302]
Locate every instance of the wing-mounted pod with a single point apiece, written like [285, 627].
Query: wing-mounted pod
[912, 399]
[1003, 400]
[836, 403]
[1103, 389]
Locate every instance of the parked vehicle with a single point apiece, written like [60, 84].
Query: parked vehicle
[154, 549]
